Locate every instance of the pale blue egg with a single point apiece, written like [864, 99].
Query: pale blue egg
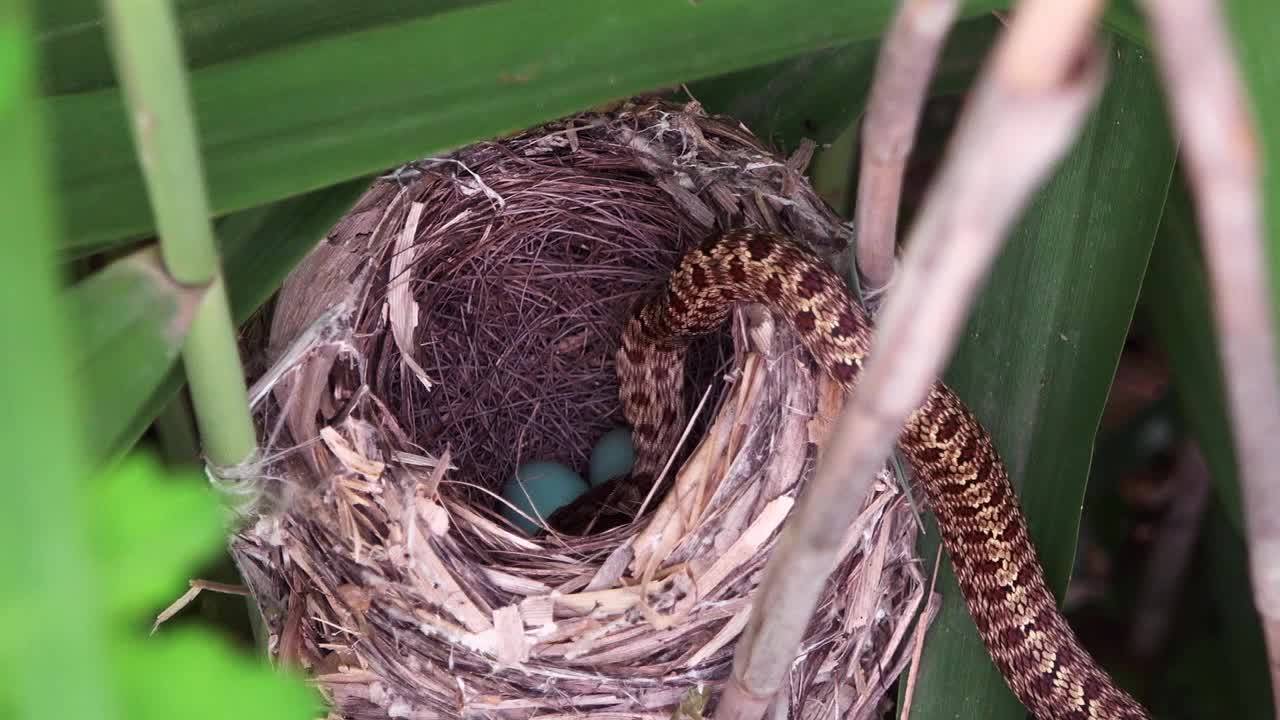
[614, 455]
[541, 486]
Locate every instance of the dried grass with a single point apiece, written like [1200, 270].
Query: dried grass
[461, 319]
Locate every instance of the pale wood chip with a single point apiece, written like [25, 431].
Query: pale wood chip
[538, 611]
[747, 545]
[349, 456]
[726, 635]
[436, 583]
[515, 584]
[513, 648]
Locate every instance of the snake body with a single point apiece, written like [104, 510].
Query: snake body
[982, 527]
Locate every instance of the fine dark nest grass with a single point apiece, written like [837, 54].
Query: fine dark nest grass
[463, 319]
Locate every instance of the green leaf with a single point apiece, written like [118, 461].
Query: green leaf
[195, 676]
[1176, 303]
[1041, 349]
[73, 44]
[811, 96]
[151, 528]
[131, 319]
[260, 247]
[1215, 664]
[816, 95]
[131, 323]
[53, 650]
[338, 107]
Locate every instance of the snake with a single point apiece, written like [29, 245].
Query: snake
[950, 453]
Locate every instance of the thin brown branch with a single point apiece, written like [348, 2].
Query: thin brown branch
[917, 648]
[1211, 115]
[907, 58]
[1018, 124]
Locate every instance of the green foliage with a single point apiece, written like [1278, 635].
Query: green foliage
[814, 96]
[52, 653]
[1176, 303]
[130, 319]
[149, 530]
[273, 126]
[194, 675]
[133, 319]
[88, 558]
[1217, 627]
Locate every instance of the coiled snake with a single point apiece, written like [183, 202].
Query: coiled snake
[967, 485]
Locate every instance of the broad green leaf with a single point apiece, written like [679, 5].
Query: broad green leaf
[1176, 303]
[811, 96]
[816, 95]
[131, 319]
[1041, 348]
[1125, 20]
[52, 649]
[196, 676]
[316, 113]
[73, 45]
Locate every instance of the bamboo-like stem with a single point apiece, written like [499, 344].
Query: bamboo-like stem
[149, 63]
[1211, 115]
[907, 60]
[1025, 110]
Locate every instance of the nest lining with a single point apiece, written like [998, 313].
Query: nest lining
[484, 296]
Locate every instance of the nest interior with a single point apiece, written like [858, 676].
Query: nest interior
[461, 319]
[522, 308]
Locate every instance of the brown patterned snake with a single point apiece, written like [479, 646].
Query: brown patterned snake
[982, 526]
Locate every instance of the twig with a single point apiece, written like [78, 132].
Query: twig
[1211, 115]
[196, 587]
[1024, 111]
[917, 647]
[907, 58]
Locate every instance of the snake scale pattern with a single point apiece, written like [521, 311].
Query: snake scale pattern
[966, 483]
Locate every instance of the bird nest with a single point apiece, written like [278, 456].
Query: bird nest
[462, 319]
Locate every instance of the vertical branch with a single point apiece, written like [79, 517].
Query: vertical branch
[907, 59]
[148, 58]
[1210, 112]
[1027, 107]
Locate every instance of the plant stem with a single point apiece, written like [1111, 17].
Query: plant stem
[145, 45]
[907, 60]
[1219, 144]
[217, 382]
